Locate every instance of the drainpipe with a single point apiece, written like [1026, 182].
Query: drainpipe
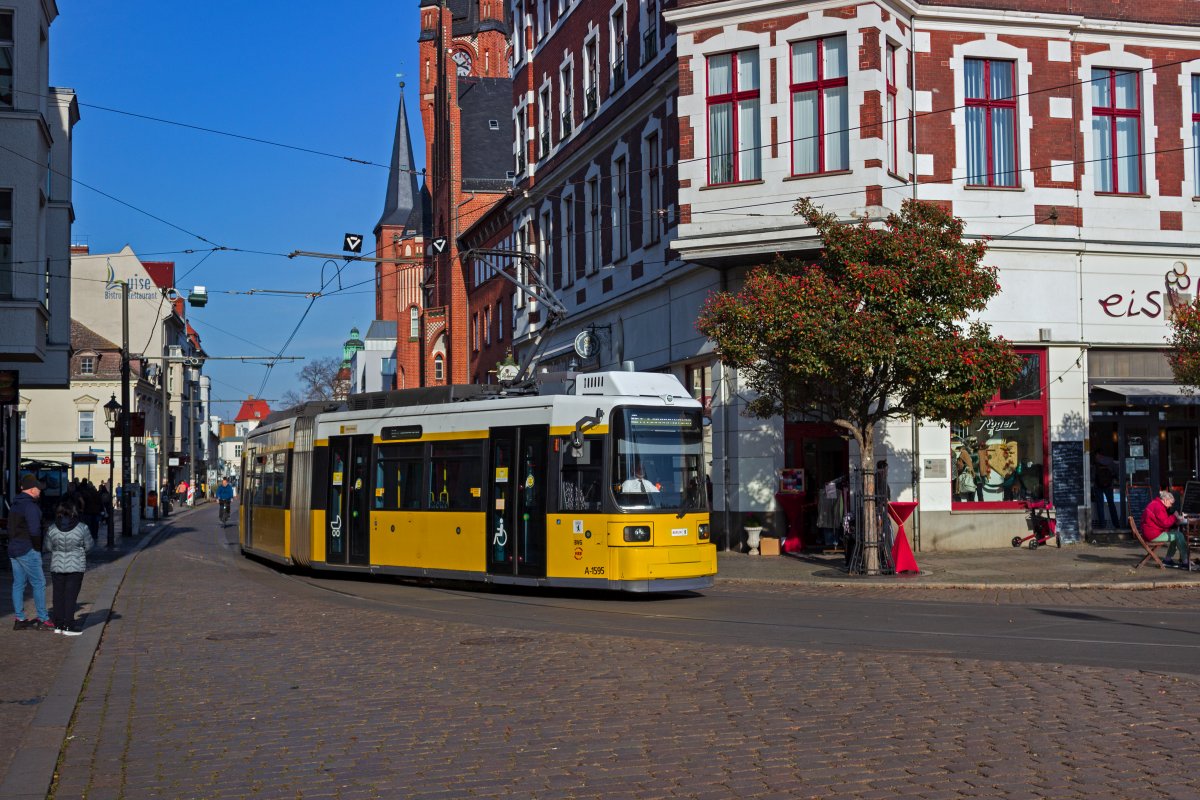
[912, 141]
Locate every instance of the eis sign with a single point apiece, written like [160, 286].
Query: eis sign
[1127, 305]
[139, 288]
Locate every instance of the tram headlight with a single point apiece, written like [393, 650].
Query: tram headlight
[703, 531]
[637, 533]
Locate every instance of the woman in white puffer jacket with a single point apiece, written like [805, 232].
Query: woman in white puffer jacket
[68, 540]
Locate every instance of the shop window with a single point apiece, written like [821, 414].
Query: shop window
[1000, 456]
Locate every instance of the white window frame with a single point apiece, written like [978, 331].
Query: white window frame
[88, 417]
[566, 100]
[87, 365]
[545, 120]
[620, 205]
[618, 48]
[997, 51]
[567, 215]
[594, 251]
[654, 185]
[591, 74]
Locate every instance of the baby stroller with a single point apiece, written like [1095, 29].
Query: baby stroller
[1040, 521]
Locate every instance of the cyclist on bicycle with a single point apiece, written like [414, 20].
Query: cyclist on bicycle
[224, 498]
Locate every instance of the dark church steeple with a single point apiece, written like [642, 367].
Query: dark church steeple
[403, 195]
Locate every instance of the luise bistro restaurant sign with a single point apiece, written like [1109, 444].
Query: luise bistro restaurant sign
[140, 288]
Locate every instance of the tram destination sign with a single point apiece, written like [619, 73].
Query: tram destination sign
[395, 432]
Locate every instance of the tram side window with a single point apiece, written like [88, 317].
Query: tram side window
[580, 477]
[398, 477]
[456, 476]
[259, 488]
[281, 481]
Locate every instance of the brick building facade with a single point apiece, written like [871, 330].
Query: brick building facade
[1066, 133]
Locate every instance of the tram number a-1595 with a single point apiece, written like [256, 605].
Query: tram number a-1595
[593, 570]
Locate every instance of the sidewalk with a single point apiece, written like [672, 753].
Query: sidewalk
[1079, 566]
[45, 672]
[36, 708]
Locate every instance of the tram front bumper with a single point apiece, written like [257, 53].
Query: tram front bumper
[659, 563]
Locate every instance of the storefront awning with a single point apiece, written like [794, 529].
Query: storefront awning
[1147, 394]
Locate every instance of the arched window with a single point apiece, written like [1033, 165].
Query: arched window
[414, 323]
[439, 367]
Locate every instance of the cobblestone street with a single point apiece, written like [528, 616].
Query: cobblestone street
[217, 678]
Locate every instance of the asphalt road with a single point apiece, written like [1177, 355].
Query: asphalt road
[222, 677]
[801, 617]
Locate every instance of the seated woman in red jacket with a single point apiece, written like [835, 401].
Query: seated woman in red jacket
[1158, 525]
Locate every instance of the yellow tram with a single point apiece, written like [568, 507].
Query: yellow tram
[592, 480]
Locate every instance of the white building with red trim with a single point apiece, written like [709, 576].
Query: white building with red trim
[1067, 133]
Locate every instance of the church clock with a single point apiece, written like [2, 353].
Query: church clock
[463, 59]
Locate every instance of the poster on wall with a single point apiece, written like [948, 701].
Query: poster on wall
[1066, 459]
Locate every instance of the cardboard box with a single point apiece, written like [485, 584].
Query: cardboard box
[768, 546]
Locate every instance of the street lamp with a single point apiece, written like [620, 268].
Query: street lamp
[112, 415]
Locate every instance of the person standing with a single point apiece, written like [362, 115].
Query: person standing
[69, 540]
[25, 556]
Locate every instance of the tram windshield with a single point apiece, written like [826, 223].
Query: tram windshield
[658, 459]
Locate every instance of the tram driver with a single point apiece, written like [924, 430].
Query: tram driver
[638, 483]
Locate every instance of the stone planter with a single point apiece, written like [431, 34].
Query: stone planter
[753, 537]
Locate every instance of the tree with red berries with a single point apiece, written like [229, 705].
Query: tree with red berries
[877, 327]
[1184, 342]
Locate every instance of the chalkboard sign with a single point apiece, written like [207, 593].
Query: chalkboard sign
[1066, 465]
[1191, 498]
[1138, 498]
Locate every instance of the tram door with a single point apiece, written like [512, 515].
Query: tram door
[347, 530]
[516, 501]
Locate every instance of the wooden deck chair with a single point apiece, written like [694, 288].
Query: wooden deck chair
[1149, 547]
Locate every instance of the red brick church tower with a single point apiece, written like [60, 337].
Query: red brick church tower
[466, 110]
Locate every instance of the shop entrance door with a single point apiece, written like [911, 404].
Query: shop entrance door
[347, 535]
[516, 502]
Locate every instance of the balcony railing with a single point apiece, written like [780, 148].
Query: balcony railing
[567, 122]
[618, 75]
[590, 97]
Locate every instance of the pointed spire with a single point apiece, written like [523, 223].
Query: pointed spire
[402, 193]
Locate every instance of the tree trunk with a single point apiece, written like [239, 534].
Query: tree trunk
[870, 519]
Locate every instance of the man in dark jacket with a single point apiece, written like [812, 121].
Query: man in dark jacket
[25, 555]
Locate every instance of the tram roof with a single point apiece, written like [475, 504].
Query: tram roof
[546, 384]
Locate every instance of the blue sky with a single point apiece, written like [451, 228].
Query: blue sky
[320, 76]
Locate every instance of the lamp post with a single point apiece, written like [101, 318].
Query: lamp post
[112, 415]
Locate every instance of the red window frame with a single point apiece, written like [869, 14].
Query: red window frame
[988, 103]
[733, 97]
[893, 98]
[1114, 113]
[1026, 407]
[1195, 137]
[820, 85]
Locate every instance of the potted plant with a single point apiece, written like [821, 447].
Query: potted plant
[752, 525]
